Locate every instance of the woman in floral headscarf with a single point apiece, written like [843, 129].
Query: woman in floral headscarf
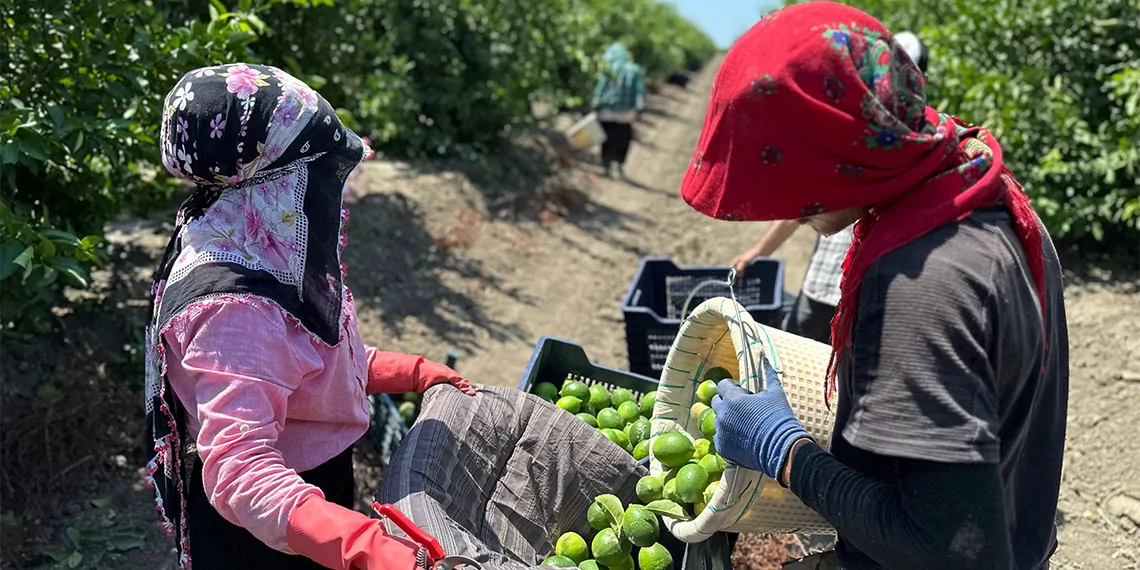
[257, 379]
[950, 357]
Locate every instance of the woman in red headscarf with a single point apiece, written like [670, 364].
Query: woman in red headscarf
[950, 368]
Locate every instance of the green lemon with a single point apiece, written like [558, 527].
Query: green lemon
[696, 411]
[572, 546]
[655, 557]
[640, 526]
[716, 374]
[714, 466]
[691, 483]
[650, 488]
[588, 409]
[569, 403]
[414, 397]
[625, 564]
[590, 564]
[546, 391]
[620, 395]
[639, 430]
[673, 448]
[710, 491]
[700, 448]
[609, 549]
[708, 424]
[599, 396]
[669, 491]
[699, 507]
[641, 450]
[610, 418]
[558, 561]
[407, 411]
[705, 391]
[591, 420]
[647, 402]
[629, 411]
[577, 389]
[619, 438]
[597, 517]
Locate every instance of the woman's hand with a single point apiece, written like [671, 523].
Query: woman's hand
[432, 373]
[756, 430]
[396, 373]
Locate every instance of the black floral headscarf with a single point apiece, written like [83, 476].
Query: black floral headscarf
[269, 159]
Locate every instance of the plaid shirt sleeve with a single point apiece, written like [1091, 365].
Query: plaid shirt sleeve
[821, 282]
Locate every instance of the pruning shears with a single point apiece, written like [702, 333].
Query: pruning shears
[438, 558]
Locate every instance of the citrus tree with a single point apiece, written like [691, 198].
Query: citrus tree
[1058, 81]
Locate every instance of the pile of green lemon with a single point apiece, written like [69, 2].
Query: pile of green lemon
[618, 414]
[681, 492]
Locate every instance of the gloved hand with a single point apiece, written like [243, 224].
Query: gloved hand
[340, 538]
[396, 373]
[756, 430]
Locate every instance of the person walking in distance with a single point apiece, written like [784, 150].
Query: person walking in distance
[618, 97]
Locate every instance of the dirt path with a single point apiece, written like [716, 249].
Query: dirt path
[517, 281]
[437, 262]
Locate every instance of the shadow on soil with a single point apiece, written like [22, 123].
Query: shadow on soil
[395, 266]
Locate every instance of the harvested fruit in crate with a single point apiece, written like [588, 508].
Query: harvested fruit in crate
[618, 414]
[627, 536]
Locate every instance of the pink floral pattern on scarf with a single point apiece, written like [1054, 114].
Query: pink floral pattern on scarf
[259, 226]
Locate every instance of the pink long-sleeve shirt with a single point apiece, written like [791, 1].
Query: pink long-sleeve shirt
[266, 400]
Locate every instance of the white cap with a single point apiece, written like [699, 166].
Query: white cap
[911, 44]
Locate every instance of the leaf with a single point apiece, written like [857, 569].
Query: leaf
[123, 542]
[60, 236]
[32, 144]
[239, 39]
[74, 536]
[611, 505]
[25, 258]
[74, 560]
[667, 508]
[47, 248]
[9, 251]
[101, 502]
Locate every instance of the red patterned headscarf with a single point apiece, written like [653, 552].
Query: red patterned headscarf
[818, 109]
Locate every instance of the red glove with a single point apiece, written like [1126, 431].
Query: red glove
[396, 373]
[343, 539]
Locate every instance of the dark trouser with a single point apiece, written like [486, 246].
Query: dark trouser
[215, 543]
[810, 319]
[616, 147]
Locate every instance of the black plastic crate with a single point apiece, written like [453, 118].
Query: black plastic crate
[556, 360]
[654, 303]
[387, 428]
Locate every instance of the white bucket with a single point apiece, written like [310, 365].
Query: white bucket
[720, 332]
[587, 133]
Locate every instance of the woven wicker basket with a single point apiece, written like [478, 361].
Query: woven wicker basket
[745, 501]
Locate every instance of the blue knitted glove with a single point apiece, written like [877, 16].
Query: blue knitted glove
[755, 430]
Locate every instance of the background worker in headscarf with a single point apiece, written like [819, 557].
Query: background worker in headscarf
[811, 315]
[257, 378]
[950, 366]
[618, 97]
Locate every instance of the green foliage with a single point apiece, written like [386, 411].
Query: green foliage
[83, 90]
[82, 98]
[1058, 82]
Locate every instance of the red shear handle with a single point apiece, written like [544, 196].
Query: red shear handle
[435, 551]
